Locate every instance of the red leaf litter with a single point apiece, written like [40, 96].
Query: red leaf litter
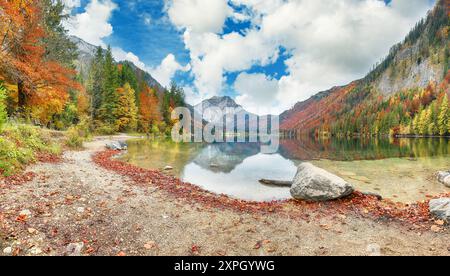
[49, 158]
[22, 178]
[15, 180]
[368, 206]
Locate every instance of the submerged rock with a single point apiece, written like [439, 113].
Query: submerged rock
[315, 184]
[117, 145]
[440, 208]
[444, 178]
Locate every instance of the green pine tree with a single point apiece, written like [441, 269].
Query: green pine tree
[95, 83]
[111, 83]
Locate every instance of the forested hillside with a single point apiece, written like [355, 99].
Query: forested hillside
[407, 93]
[50, 79]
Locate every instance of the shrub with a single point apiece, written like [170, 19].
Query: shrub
[3, 113]
[19, 145]
[106, 130]
[74, 140]
[77, 135]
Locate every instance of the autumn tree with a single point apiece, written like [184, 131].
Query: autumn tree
[443, 119]
[126, 111]
[25, 57]
[3, 113]
[149, 109]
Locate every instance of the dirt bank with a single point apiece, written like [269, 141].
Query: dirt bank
[76, 206]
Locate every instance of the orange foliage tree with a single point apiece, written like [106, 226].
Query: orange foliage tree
[39, 81]
[149, 109]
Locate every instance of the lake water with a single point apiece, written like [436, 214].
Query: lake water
[398, 169]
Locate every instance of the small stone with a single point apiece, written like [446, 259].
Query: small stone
[25, 212]
[80, 210]
[32, 231]
[7, 250]
[74, 249]
[150, 245]
[35, 251]
[436, 229]
[168, 168]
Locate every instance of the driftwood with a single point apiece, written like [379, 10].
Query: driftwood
[276, 183]
[379, 197]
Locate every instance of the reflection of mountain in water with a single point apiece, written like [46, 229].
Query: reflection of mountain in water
[225, 157]
[362, 149]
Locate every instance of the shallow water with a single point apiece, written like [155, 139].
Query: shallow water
[401, 170]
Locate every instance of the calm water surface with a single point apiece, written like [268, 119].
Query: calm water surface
[401, 169]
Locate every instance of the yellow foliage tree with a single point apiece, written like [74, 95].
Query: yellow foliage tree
[126, 111]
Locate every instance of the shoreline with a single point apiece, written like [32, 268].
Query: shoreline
[87, 208]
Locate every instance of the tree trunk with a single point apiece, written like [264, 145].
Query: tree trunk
[22, 97]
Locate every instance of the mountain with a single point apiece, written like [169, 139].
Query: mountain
[414, 75]
[86, 53]
[228, 108]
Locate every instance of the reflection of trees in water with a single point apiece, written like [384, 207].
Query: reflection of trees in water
[160, 153]
[363, 148]
[225, 157]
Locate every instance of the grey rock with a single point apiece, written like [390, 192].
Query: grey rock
[440, 208]
[444, 178]
[7, 250]
[25, 212]
[441, 175]
[315, 184]
[35, 251]
[74, 249]
[116, 145]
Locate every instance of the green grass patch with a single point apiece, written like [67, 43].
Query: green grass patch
[20, 145]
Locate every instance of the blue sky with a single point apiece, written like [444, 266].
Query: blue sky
[267, 54]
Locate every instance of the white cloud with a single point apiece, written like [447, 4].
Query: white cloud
[121, 55]
[70, 5]
[330, 42]
[256, 90]
[167, 69]
[199, 15]
[93, 24]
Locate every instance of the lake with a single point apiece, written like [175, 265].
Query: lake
[398, 169]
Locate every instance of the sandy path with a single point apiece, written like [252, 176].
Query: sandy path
[77, 207]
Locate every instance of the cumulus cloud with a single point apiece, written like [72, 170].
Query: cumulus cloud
[70, 5]
[255, 91]
[93, 24]
[330, 42]
[199, 15]
[120, 55]
[165, 72]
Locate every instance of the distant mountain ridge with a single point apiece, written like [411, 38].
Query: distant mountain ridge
[86, 54]
[229, 108]
[420, 60]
